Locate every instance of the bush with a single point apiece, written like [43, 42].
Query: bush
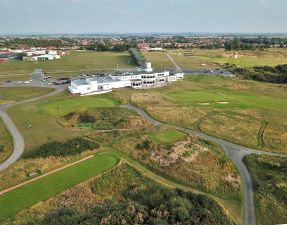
[1, 148]
[55, 148]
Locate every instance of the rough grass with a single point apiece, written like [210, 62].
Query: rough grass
[78, 62]
[275, 138]
[270, 57]
[269, 174]
[159, 60]
[19, 171]
[231, 109]
[6, 142]
[51, 185]
[43, 114]
[121, 184]
[185, 161]
[193, 62]
[104, 119]
[18, 94]
[237, 128]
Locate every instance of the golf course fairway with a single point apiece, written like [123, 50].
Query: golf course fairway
[46, 187]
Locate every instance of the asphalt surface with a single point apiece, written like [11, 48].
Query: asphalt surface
[235, 152]
[19, 144]
[218, 71]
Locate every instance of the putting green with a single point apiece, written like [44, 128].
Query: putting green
[46, 187]
[168, 137]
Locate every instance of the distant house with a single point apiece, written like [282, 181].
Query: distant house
[7, 56]
[143, 47]
[141, 79]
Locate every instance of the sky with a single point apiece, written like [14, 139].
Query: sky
[142, 16]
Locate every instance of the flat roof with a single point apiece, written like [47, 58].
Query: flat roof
[80, 82]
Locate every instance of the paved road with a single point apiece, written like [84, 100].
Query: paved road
[18, 139]
[177, 67]
[218, 71]
[236, 153]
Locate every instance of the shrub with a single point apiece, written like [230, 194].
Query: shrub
[55, 148]
[1, 148]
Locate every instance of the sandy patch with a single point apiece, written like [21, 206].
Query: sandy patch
[204, 103]
[222, 102]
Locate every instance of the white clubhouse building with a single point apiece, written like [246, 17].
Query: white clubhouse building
[140, 79]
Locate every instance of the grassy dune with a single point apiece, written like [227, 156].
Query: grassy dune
[269, 174]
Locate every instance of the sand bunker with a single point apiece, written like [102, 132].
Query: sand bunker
[222, 102]
[204, 103]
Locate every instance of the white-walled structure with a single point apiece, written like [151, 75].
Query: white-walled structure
[140, 79]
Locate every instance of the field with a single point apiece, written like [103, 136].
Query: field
[18, 94]
[213, 58]
[78, 62]
[236, 110]
[122, 194]
[6, 142]
[159, 60]
[43, 116]
[269, 174]
[51, 185]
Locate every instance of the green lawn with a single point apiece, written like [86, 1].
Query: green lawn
[28, 195]
[43, 116]
[65, 104]
[225, 98]
[168, 136]
[18, 94]
[76, 63]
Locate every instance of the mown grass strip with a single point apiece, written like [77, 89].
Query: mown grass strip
[30, 194]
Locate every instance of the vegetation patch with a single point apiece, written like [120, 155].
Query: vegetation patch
[46, 187]
[105, 119]
[46, 113]
[275, 138]
[190, 161]
[269, 175]
[71, 147]
[18, 94]
[6, 142]
[124, 196]
[238, 128]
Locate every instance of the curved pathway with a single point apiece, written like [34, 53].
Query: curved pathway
[18, 139]
[235, 152]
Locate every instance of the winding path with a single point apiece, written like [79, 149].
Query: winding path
[235, 152]
[18, 139]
